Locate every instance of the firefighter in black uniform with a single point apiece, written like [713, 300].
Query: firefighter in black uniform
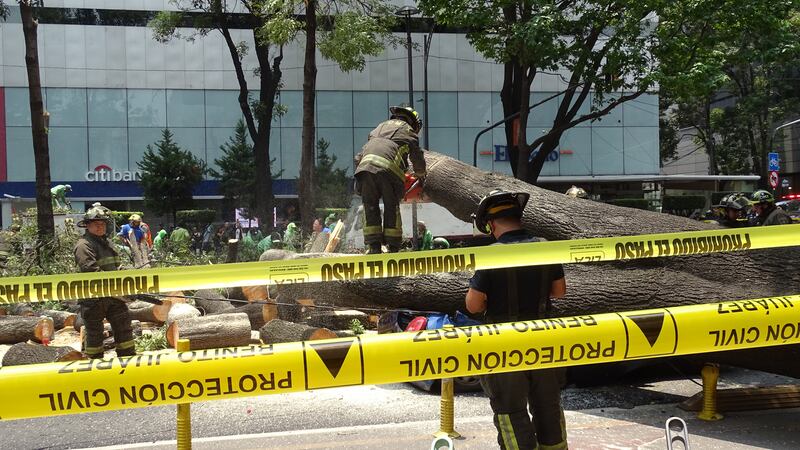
[512, 294]
[380, 174]
[94, 253]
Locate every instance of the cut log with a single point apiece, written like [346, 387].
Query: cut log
[258, 313]
[148, 312]
[14, 329]
[210, 301]
[3, 311]
[19, 309]
[222, 330]
[320, 242]
[276, 331]
[61, 319]
[337, 320]
[23, 353]
[335, 237]
[181, 311]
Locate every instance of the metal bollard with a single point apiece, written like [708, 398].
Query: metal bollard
[675, 428]
[184, 422]
[447, 415]
[710, 374]
[447, 408]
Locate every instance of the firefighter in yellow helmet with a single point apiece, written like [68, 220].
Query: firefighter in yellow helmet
[576, 192]
[380, 175]
[94, 253]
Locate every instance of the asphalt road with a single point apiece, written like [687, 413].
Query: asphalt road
[340, 409]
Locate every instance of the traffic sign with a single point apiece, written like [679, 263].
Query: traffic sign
[785, 183]
[774, 162]
[773, 179]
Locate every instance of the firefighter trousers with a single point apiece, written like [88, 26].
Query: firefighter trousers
[375, 187]
[116, 311]
[513, 395]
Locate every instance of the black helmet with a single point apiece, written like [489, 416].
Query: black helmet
[762, 196]
[496, 204]
[407, 114]
[96, 212]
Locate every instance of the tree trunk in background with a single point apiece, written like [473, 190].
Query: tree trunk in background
[307, 160]
[41, 151]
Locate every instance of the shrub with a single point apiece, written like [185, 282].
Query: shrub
[156, 340]
[683, 205]
[196, 216]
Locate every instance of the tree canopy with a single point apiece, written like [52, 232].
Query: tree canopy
[169, 174]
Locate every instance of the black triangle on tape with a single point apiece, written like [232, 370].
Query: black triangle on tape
[333, 354]
[650, 324]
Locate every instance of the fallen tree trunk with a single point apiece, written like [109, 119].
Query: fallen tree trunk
[276, 331]
[61, 319]
[210, 301]
[19, 309]
[15, 329]
[337, 320]
[23, 353]
[218, 331]
[148, 312]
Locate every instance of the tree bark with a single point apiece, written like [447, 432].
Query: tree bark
[41, 151]
[148, 312]
[217, 331]
[212, 302]
[278, 330]
[180, 311]
[14, 329]
[307, 159]
[337, 320]
[23, 353]
[61, 319]
[258, 313]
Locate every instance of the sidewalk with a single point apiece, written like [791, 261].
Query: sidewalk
[637, 428]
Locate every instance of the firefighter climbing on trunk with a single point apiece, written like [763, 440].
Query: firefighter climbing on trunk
[380, 175]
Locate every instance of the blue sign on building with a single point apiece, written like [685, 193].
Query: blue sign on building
[774, 162]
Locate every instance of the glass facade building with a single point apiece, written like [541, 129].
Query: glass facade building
[110, 89]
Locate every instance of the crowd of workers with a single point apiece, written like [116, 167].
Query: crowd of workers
[738, 210]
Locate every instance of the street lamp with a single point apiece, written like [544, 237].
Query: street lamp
[408, 11]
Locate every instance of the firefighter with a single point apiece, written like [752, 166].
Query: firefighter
[94, 253]
[380, 175]
[767, 212]
[518, 294]
[735, 211]
[576, 192]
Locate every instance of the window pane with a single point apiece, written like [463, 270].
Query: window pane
[20, 154]
[222, 108]
[607, 151]
[443, 110]
[542, 116]
[290, 152]
[641, 150]
[191, 139]
[334, 109]
[341, 146]
[108, 146]
[107, 108]
[69, 154]
[445, 141]
[641, 111]
[67, 107]
[138, 140]
[293, 102]
[474, 109]
[185, 108]
[613, 118]
[147, 108]
[575, 155]
[18, 109]
[368, 108]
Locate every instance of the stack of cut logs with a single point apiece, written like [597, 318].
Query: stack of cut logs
[208, 318]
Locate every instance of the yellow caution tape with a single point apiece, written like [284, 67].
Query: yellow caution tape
[168, 378]
[104, 284]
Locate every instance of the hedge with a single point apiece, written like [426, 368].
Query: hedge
[683, 203]
[196, 216]
[637, 203]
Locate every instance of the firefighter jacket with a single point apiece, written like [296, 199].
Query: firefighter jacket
[388, 149]
[95, 254]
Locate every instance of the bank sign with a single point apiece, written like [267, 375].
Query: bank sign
[106, 173]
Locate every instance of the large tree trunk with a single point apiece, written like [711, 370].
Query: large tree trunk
[277, 331]
[61, 319]
[591, 288]
[24, 353]
[258, 313]
[14, 329]
[41, 151]
[307, 160]
[217, 331]
[210, 301]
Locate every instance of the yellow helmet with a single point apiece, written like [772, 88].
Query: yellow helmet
[135, 218]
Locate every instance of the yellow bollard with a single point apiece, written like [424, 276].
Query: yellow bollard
[184, 423]
[710, 374]
[447, 409]
[447, 417]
